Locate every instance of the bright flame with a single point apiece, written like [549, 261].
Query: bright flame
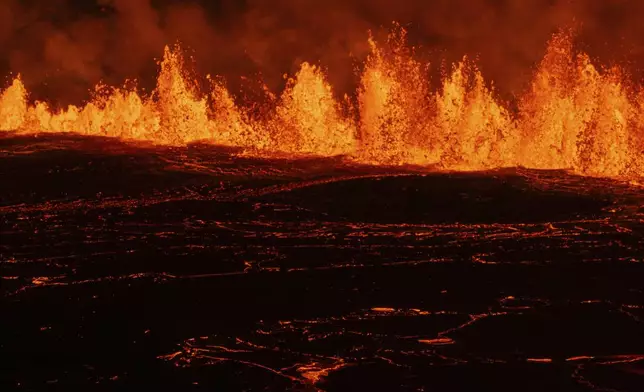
[478, 132]
[309, 120]
[574, 115]
[395, 107]
[13, 106]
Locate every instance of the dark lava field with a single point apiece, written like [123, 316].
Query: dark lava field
[138, 268]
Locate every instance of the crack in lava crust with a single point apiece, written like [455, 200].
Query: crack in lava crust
[207, 269]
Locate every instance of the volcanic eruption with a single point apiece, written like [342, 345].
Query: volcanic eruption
[574, 115]
[302, 195]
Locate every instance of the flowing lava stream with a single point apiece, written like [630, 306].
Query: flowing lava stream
[574, 115]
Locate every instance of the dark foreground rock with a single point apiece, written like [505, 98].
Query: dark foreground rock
[125, 267]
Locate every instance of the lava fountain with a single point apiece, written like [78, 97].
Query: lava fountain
[574, 115]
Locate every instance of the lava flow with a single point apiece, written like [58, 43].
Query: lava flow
[574, 116]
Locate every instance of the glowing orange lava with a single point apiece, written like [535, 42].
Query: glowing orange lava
[574, 116]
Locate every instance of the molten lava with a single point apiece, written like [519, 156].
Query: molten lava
[574, 116]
